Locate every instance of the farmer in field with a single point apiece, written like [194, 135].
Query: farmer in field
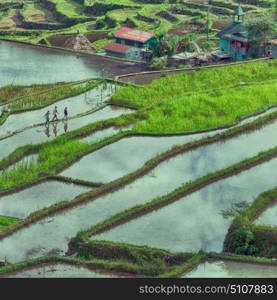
[65, 114]
[47, 117]
[55, 113]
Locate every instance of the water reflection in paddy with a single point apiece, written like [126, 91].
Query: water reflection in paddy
[25, 65]
[75, 105]
[126, 155]
[232, 269]
[42, 133]
[187, 225]
[59, 270]
[195, 222]
[22, 203]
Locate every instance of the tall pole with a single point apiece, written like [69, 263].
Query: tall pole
[208, 17]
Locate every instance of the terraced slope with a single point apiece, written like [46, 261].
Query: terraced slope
[49, 17]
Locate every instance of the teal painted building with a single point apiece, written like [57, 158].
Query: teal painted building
[234, 38]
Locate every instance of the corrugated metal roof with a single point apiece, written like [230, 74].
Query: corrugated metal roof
[232, 28]
[134, 34]
[118, 48]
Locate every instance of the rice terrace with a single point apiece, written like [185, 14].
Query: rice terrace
[138, 138]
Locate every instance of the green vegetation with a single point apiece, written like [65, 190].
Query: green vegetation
[21, 99]
[245, 237]
[63, 16]
[6, 221]
[203, 100]
[10, 181]
[145, 260]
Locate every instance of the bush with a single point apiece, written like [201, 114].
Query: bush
[242, 242]
[159, 63]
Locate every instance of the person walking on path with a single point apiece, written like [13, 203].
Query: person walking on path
[47, 121]
[55, 113]
[65, 114]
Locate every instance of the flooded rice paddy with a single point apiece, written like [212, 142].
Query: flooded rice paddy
[232, 269]
[60, 270]
[75, 105]
[101, 134]
[186, 225]
[110, 162]
[195, 222]
[25, 64]
[22, 203]
[45, 133]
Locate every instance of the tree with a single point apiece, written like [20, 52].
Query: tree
[261, 29]
[161, 47]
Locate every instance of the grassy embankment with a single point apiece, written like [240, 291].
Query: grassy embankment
[182, 191]
[71, 149]
[20, 99]
[132, 260]
[13, 180]
[6, 221]
[245, 237]
[203, 100]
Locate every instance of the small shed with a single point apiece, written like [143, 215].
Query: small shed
[122, 51]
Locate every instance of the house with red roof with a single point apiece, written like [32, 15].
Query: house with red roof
[131, 44]
[134, 37]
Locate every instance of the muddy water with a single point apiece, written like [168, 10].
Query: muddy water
[25, 65]
[75, 105]
[195, 222]
[60, 271]
[42, 133]
[21, 204]
[110, 162]
[232, 269]
[196, 218]
[268, 217]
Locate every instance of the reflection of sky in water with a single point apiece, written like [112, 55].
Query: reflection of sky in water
[187, 225]
[232, 269]
[268, 217]
[60, 271]
[75, 105]
[42, 133]
[195, 222]
[21, 204]
[25, 65]
[110, 162]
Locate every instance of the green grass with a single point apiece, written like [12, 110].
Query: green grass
[264, 237]
[21, 99]
[202, 100]
[7, 221]
[208, 110]
[178, 86]
[69, 8]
